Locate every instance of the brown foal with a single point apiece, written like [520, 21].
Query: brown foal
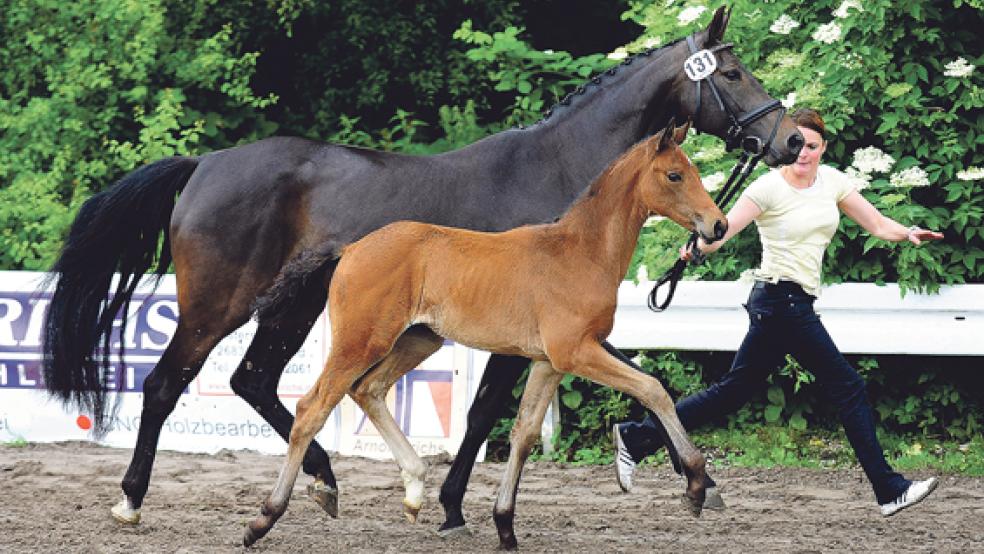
[545, 292]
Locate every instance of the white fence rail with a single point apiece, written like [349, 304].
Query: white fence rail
[431, 402]
[862, 318]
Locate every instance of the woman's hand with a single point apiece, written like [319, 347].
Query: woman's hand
[686, 253]
[917, 236]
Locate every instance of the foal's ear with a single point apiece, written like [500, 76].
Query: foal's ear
[666, 135]
[680, 133]
[715, 31]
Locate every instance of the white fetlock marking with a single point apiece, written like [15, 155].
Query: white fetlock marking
[124, 512]
[414, 498]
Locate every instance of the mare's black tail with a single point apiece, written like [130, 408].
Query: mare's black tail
[116, 231]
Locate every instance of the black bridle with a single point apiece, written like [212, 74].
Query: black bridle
[753, 150]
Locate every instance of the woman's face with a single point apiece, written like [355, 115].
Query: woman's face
[809, 157]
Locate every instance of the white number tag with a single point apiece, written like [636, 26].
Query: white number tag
[700, 65]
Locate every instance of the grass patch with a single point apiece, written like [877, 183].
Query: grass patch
[777, 446]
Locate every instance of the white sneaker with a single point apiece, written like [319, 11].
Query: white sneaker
[624, 464]
[912, 495]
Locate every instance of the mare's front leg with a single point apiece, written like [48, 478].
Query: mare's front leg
[413, 347]
[540, 388]
[258, 375]
[590, 360]
[494, 393]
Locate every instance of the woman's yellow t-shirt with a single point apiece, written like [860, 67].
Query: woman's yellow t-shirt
[796, 225]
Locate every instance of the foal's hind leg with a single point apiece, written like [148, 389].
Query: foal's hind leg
[258, 375]
[540, 387]
[350, 358]
[414, 346]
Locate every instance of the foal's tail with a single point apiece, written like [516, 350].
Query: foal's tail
[116, 231]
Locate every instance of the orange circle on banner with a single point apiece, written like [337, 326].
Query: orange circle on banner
[83, 422]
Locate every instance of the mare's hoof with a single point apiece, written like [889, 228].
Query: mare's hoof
[713, 500]
[508, 544]
[325, 496]
[410, 511]
[448, 533]
[125, 513]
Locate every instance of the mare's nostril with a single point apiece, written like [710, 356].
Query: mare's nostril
[795, 143]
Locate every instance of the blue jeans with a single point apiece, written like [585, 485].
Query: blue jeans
[783, 322]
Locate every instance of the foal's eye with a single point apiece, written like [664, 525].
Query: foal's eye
[674, 176]
[732, 75]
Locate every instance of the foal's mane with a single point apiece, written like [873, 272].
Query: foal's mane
[596, 81]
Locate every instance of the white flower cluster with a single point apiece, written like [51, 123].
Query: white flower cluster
[841, 11]
[972, 173]
[710, 153]
[690, 14]
[912, 177]
[858, 179]
[620, 53]
[871, 160]
[958, 68]
[713, 181]
[784, 25]
[789, 101]
[828, 33]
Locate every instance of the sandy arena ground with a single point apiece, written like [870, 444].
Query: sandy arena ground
[56, 498]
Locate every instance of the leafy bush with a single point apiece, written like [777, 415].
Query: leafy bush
[92, 89]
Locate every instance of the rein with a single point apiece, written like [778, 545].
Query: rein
[699, 67]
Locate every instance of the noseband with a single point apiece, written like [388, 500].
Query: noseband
[699, 67]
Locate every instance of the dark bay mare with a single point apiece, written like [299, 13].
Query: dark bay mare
[262, 221]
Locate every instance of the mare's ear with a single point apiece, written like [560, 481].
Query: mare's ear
[680, 133]
[666, 135]
[715, 31]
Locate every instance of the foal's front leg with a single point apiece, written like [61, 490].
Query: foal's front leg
[590, 360]
[540, 387]
[413, 347]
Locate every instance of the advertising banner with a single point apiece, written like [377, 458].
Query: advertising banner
[429, 403]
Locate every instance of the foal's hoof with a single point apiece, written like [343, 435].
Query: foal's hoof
[325, 496]
[693, 505]
[410, 511]
[125, 513]
[450, 533]
[713, 500]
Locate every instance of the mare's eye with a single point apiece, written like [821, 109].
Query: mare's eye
[674, 176]
[732, 75]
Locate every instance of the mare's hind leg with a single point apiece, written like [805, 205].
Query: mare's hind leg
[415, 345]
[258, 375]
[494, 393]
[540, 388]
[178, 366]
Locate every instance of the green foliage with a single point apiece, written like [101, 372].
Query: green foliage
[90, 90]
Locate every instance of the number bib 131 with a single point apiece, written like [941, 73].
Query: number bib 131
[700, 65]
